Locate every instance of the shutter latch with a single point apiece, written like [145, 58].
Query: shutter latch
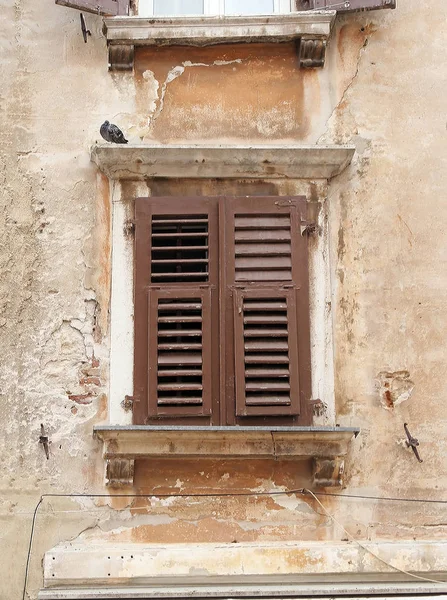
[127, 403]
[129, 227]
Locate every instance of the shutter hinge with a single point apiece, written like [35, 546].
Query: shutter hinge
[318, 407]
[129, 227]
[309, 225]
[127, 403]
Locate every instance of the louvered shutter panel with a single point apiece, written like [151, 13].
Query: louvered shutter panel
[267, 280]
[107, 8]
[345, 6]
[176, 275]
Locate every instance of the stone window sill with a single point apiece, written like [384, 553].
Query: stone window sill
[326, 446]
[312, 29]
[141, 161]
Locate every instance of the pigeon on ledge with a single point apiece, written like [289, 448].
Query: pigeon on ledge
[112, 133]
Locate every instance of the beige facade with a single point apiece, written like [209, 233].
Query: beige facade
[378, 301]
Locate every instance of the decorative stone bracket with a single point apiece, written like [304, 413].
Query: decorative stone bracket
[326, 446]
[311, 31]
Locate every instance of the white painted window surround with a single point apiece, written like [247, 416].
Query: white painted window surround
[148, 8]
[122, 324]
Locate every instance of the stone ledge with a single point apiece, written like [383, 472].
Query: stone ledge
[134, 161]
[229, 569]
[125, 33]
[327, 446]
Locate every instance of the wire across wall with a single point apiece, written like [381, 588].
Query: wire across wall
[298, 491]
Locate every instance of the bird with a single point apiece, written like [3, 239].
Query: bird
[112, 133]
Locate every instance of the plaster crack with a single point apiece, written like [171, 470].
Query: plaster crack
[346, 90]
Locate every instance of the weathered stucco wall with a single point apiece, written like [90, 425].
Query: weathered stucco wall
[383, 88]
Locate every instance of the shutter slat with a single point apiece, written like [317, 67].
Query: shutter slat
[178, 235]
[264, 306]
[180, 359]
[277, 249]
[265, 333]
[268, 345]
[264, 235]
[202, 276]
[180, 319]
[276, 386]
[175, 221]
[173, 306]
[179, 346]
[176, 401]
[262, 222]
[259, 400]
[255, 319]
[267, 372]
[179, 332]
[267, 359]
[178, 372]
[258, 275]
[269, 263]
[174, 387]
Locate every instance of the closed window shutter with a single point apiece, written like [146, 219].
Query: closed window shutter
[176, 307]
[108, 8]
[346, 6]
[267, 280]
[179, 352]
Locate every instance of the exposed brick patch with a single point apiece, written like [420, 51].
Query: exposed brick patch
[81, 398]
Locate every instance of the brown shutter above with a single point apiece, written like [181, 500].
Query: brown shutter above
[345, 6]
[107, 8]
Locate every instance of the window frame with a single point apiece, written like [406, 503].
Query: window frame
[212, 8]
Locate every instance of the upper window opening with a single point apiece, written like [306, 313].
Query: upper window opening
[164, 8]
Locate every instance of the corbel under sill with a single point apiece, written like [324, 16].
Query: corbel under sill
[326, 446]
[311, 29]
[142, 161]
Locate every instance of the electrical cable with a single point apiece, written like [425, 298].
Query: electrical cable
[353, 539]
[226, 495]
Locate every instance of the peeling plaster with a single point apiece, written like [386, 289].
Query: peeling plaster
[177, 71]
[394, 388]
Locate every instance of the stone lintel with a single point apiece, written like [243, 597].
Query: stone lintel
[141, 441]
[326, 446]
[142, 161]
[209, 30]
[251, 569]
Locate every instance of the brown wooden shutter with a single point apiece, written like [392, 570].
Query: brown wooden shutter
[344, 6]
[267, 283]
[176, 301]
[107, 8]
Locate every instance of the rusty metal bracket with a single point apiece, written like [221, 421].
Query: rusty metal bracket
[412, 443]
[85, 32]
[44, 440]
[129, 227]
[127, 403]
[309, 225]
